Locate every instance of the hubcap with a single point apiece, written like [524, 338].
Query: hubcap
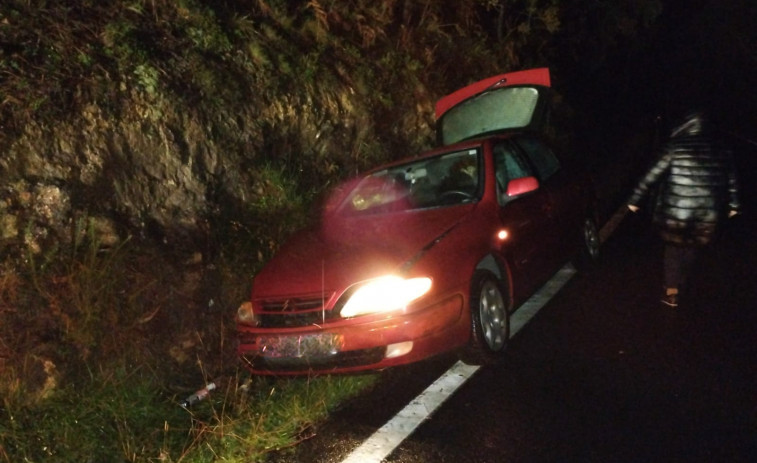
[591, 238]
[493, 316]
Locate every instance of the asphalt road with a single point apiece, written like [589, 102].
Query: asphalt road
[606, 374]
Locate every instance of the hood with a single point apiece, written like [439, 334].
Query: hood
[345, 251]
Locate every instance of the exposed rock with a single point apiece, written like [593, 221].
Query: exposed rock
[158, 170]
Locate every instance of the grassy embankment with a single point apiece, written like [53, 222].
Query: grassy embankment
[96, 382]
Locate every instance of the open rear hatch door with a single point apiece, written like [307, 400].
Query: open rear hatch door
[516, 100]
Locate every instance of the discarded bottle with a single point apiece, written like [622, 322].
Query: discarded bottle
[198, 396]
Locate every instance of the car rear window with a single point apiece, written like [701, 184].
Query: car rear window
[496, 110]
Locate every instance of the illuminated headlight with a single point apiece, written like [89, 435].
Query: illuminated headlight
[385, 295]
[246, 315]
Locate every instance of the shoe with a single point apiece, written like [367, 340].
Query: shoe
[671, 300]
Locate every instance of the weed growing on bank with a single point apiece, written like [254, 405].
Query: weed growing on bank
[130, 417]
[264, 415]
[99, 347]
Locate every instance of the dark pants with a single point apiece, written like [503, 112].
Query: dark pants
[678, 263]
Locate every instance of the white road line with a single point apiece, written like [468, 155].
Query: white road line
[396, 430]
[532, 306]
[613, 223]
[390, 436]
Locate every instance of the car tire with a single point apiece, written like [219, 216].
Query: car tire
[490, 319]
[588, 253]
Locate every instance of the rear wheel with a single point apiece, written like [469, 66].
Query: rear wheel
[588, 254]
[490, 319]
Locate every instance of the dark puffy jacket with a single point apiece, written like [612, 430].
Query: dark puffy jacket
[697, 185]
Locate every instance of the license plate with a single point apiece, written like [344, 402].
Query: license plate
[300, 346]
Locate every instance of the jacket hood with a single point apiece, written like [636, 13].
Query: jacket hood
[694, 123]
[344, 251]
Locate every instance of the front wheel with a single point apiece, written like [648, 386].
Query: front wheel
[490, 319]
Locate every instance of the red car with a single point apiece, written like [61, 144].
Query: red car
[428, 254]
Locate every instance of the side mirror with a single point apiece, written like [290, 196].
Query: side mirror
[519, 186]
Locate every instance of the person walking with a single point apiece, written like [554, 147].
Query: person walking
[696, 189]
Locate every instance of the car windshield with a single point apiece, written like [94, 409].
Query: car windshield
[444, 180]
[507, 108]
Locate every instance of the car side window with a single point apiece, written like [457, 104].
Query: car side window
[509, 165]
[544, 160]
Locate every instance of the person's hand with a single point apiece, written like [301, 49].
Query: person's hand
[633, 208]
[732, 212]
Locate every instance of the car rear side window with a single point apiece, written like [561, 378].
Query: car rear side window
[509, 165]
[544, 160]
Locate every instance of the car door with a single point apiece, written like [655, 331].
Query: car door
[564, 192]
[527, 219]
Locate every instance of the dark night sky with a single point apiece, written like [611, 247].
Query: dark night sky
[702, 56]
[701, 53]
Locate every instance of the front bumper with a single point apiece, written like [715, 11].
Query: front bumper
[362, 343]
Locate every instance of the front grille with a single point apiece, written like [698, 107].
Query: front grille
[294, 312]
[293, 304]
[293, 320]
